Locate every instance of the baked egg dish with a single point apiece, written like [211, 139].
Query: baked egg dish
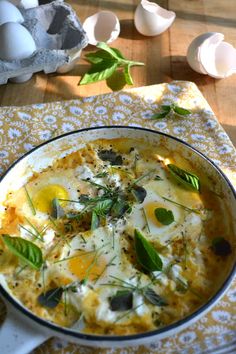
[118, 237]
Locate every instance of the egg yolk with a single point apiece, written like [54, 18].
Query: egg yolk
[43, 198]
[150, 212]
[87, 266]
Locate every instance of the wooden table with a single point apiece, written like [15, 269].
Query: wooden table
[163, 55]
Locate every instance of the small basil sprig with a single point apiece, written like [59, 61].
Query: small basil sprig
[154, 298]
[167, 109]
[146, 254]
[105, 62]
[221, 247]
[185, 177]
[25, 250]
[164, 216]
[51, 298]
[121, 301]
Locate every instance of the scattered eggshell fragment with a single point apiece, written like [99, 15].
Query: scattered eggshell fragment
[9, 13]
[151, 19]
[104, 26]
[209, 54]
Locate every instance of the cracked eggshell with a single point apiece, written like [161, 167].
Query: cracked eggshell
[104, 26]
[209, 54]
[151, 19]
[9, 13]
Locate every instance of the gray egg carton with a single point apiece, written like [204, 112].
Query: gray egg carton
[59, 39]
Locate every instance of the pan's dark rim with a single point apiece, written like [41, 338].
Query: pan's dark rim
[111, 339]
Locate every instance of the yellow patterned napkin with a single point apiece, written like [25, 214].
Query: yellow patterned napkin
[22, 128]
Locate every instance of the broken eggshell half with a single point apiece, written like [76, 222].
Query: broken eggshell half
[151, 19]
[208, 54]
[103, 26]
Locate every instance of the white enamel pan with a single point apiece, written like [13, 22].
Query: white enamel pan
[22, 330]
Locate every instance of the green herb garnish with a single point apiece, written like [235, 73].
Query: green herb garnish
[154, 298]
[111, 156]
[221, 247]
[30, 201]
[164, 216]
[167, 109]
[51, 298]
[146, 254]
[95, 221]
[105, 62]
[181, 205]
[185, 177]
[25, 250]
[122, 301]
[139, 193]
[101, 175]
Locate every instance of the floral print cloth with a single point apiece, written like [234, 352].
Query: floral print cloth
[22, 128]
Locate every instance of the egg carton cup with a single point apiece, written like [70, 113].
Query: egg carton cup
[59, 39]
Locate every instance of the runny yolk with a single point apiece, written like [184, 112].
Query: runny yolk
[87, 266]
[42, 200]
[150, 212]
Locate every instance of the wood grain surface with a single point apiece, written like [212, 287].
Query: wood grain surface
[164, 57]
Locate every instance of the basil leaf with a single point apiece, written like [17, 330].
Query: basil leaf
[164, 216]
[122, 301]
[166, 108]
[221, 247]
[159, 115]
[103, 207]
[98, 56]
[181, 111]
[112, 51]
[95, 222]
[119, 208]
[186, 178]
[147, 256]
[154, 298]
[139, 193]
[118, 53]
[84, 198]
[111, 156]
[99, 72]
[25, 250]
[128, 77]
[51, 298]
[57, 211]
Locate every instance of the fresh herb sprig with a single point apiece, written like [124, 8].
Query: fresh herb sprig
[147, 256]
[186, 178]
[168, 109]
[27, 251]
[105, 62]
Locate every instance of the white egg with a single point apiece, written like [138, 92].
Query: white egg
[209, 54]
[9, 13]
[16, 42]
[151, 19]
[104, 26]
[143, 215]
[26, 4]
